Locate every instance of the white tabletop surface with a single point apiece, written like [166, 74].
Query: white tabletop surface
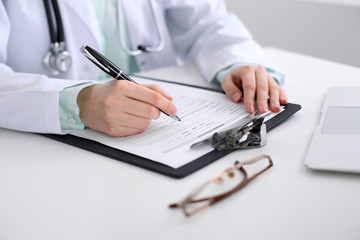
[50, 190]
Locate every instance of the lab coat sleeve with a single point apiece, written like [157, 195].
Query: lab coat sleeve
[30, 102]
[204, 32]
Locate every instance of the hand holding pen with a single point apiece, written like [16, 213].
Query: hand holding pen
[121, 108]
[110, 68]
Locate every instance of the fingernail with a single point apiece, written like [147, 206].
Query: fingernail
[263, 108]
[251, 108]
[284, 100]
[168, 96]
[236, 97]
[173, 111]
[276, 105]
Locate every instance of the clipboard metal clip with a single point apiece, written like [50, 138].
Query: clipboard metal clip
[250, 134]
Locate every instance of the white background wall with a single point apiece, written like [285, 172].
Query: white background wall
[327, 29]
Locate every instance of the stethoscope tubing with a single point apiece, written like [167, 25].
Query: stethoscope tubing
[143, 48]
[59, 36]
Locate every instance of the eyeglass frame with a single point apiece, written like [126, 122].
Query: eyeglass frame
[211, 200]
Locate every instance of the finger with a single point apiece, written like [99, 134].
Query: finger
[140, 109]
[274, 92]
[117, 125]
[116, 107]
[159, 90]
[231, 89]
[121, 131]
[130, 121]
[249, 86]
[154, 98]
[124, 125]
[147, 95]
[283, 97]
[262, 89]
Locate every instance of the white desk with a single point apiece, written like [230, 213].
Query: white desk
[49, 190]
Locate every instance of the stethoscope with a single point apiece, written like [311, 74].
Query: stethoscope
[58, 59]
[143, 48]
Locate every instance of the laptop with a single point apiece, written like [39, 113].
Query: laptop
[335, 144]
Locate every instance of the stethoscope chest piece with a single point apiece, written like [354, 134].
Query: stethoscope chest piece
[57, 59]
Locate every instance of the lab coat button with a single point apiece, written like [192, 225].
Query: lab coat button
[143, 63]
[71, 121]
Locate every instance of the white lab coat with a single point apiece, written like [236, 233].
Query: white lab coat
[195, 30]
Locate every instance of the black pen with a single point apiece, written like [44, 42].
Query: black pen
[110, 68]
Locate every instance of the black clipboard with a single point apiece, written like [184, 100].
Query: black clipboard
[180, 172]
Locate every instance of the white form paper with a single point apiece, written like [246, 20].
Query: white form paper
[167, 141]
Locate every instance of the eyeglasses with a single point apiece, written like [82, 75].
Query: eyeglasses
[224, 184]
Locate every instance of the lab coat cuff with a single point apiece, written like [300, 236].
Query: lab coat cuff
[69, 113]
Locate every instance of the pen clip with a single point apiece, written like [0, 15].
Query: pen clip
[87, 54]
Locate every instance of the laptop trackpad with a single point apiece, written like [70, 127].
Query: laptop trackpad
[342, 120]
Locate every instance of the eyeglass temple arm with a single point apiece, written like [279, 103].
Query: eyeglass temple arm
[246, 180]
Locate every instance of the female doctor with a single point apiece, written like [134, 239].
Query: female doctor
[47, 86]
